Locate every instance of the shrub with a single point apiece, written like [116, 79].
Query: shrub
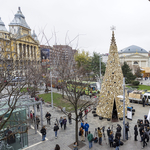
[135, 83]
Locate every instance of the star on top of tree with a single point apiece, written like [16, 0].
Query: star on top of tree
[113, 28]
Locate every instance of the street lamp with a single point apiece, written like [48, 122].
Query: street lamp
[100, 70]
[123, 96]
[51, 87]
[51, 90]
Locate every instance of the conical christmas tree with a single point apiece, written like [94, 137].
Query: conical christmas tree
[109, 105]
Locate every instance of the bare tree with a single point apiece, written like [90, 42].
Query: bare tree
[73, 88]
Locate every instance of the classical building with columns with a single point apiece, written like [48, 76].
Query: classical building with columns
[18, 47]
[135, 56]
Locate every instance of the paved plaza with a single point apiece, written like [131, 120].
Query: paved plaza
[67, 137]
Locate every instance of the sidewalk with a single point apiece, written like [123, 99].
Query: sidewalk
[67, 137]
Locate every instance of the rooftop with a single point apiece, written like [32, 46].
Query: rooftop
[2, 26]
[133, 49]
[19, 19]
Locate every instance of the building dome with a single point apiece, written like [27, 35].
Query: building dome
[34, 36]
[133, 49]
[19, 20]
[2, 26]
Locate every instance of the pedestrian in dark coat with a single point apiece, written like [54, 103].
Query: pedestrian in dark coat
[140, 130]
[126, 130]
[56, 128]
[118, 128]
[43, 131]
[69, 117]
[117, 140]
[135, 133]
[48, 117]
[111, 137]
[108, 132]
[80, 115]
[57, 147]
[143, 100]
[118, 134]
[144, 137]
[64, 123]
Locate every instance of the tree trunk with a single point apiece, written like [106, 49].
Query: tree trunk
[76, 126]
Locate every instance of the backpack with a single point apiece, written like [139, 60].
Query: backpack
[79, 133]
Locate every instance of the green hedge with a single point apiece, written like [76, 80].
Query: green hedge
[135, 83]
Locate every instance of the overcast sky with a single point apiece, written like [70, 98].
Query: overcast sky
[90, 19]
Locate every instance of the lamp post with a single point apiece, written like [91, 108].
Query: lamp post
[51, 90]
[100, 70]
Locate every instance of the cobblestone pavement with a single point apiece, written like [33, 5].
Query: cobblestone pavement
[67, 137]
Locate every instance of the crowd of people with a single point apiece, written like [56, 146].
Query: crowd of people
[142, 129]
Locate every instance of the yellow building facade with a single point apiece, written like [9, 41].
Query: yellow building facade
[19, 48]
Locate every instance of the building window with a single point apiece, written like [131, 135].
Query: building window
[8, 56]
[135, 63]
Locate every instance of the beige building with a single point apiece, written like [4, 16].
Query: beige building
[18, 47]
[134, 56]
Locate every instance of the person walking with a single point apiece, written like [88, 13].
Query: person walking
[140, 130]
[90, 139]
[111, 139]
[144, 138]
[61, 122]
[108, 133]
[135, 133]
[100, 136]
[143, 101]
[126, 130]
[64, 123]
[43, 131]
[80, 115]
[37, 121]
[75, 146]
[86, 128]
[86, 112]
[118, 128]
[69, 117]
[48, 117]
[56, 128]
[82, 134]
[57, 147]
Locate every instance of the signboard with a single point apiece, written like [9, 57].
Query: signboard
[45, 53]
[129, 113]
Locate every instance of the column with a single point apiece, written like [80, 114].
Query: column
[33, 52]
[22, 52]
[29, 52]
[18, 52]
[26, 52]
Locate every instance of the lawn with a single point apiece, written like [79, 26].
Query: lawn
[141, 87]
[57, 100]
